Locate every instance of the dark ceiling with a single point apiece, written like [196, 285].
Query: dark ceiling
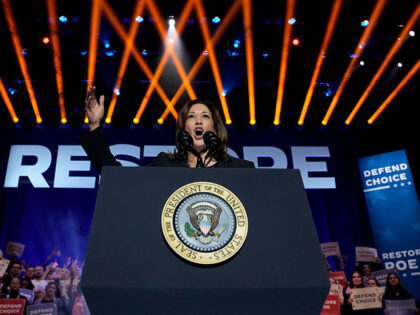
[268, 25]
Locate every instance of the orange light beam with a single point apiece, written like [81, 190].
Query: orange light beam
[22, 62]
[180, 27]
[212, 58]
[95, 25]
[374, 17]
[394, 49]
[200, 61]
[249, 52]
[134, 26]
[52, 21]
[394, 93]
[7, 101]
[116, 24]
[335, 12]
[290, 11]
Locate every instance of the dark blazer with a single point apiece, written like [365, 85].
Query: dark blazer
[96, 147]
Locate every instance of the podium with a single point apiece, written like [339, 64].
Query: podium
[130, 268]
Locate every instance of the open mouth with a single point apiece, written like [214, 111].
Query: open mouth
[198, 132]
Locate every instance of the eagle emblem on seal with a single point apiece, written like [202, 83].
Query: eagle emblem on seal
[204, 217]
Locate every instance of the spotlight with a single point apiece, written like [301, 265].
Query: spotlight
[63, 120]
[364, 23]
[291, 21]
[139, 19]
[107, 44]
[117, 92]
[265, 54]
[236, 43]
[205, 53]
[62, 19]
[362, 63]
[110, 53]
[295, 42]
[45, 40]
[224, 92]
[24, 52]
[399, 65]
[216, 20]
[144, 52]
[12, 91]
[171, 40]
[412, 33]
[83, 52]
[171, 20]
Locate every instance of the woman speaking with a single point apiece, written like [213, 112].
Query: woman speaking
[201, 138]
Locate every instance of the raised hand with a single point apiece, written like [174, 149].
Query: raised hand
[94, 110]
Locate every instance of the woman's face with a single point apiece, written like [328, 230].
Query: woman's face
[199, 121]
[15, 284]
[356, 279]
[393, 280]
[372, 283]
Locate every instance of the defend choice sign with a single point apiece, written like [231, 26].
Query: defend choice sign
[12, 306]
[394, 213]
[364, 298]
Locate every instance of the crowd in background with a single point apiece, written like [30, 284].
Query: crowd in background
[362, 277]
[49, 282]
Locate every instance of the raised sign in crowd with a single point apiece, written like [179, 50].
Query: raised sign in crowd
[50, 289]
[47, 289]
[371, 289]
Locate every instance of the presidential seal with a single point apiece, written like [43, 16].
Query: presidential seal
[204, 223]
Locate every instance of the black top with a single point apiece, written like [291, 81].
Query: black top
[96, 147]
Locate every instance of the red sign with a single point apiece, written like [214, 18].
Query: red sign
[339, 277]
[12, 306]
[331, 305]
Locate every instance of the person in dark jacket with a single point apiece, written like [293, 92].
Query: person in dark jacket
[196, 118]
[395, 291]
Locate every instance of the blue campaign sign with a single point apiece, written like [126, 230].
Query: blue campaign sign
[42, 309]
[394, 214]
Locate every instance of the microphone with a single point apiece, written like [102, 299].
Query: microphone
[185, 142]
[212, 141]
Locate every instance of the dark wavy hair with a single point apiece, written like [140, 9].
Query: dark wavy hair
[352, 285]
[219, 127]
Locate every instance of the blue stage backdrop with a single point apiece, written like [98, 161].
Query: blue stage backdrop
[394, 213]
[48, 187]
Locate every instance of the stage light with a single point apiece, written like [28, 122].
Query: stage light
[265, 55]
[252, 122]
[139, 19]
[24, 52]
[224, 92]
[108, 120]
[234, 53]
[295, 42]
[205, 52]
[216, 20]
[39, 120]
[291, 21]
[12, 91]
[399, 65]
[276, 122]
[362, 63]
[412, 33]
[171, 40]
[117, 92]
[45, 40]
[136, 120]
[110, 53]
[364, 23]
[236, 43]
[15, 119]
[83, 52]
[160, 121]
[107, 44]
[228, 122]
[62, 19]
[144, 52]
[171, 20]
[63, 120]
